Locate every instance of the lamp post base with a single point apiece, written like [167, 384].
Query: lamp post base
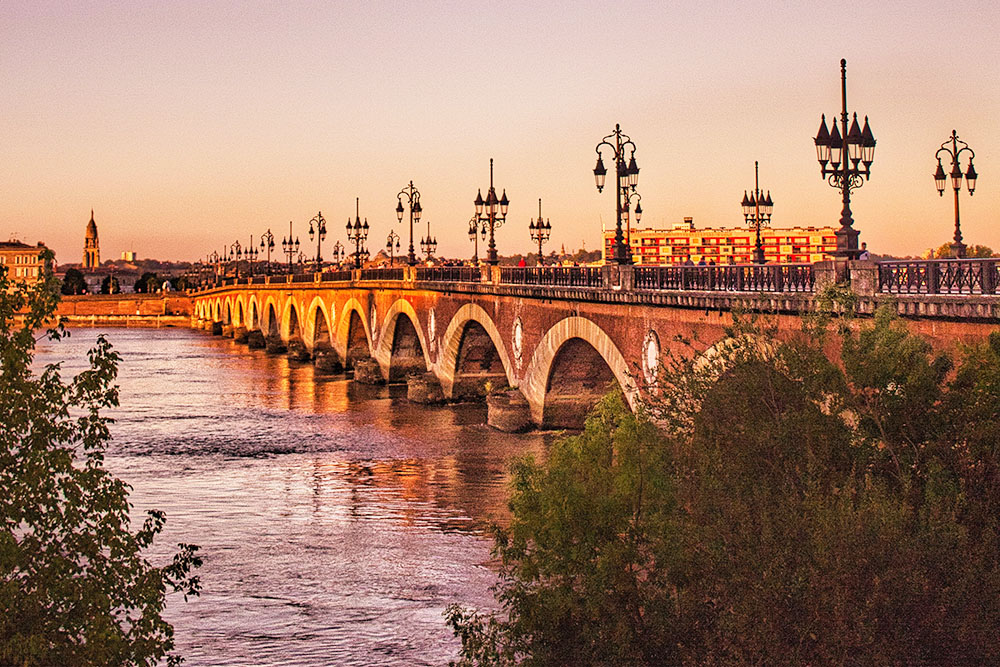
[958, 250]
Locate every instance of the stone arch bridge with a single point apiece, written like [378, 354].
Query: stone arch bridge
[560, 336]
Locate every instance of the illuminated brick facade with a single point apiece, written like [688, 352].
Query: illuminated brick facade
[686, 244]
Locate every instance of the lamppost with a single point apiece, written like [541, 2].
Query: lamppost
[338, 253]
[474, 237]
[428, 245]
[846, 151]
[357, 233]
[413, 202]
[540, 230]
[627, 216]
[957, 247]
[235, 253]
[214, 259]
[251, 253]
[757, 212]
[289, 247]
[627, 178]
[392, 238]
[267, 243]
[320, 233]
[491, 214]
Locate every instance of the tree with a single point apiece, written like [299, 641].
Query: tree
[971, 252]
[148, 282]
[75, 587]
[110, 285]
[785, 509]
[74, 282]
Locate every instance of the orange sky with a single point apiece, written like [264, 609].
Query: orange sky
[188, 125]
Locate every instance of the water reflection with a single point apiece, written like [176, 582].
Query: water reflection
[337, 520]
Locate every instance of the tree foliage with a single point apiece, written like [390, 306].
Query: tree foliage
[971, 252]
[73, 282]
[75, 587]
[786, 508]
[110, 285]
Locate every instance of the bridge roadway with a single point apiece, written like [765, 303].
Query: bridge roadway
[562, 336]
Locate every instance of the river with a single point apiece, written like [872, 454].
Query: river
[336, 521]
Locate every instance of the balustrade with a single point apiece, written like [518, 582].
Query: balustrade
[941, 276]
[449, 274]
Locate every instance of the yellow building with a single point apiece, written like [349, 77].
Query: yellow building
[24, 262]
[683, 243]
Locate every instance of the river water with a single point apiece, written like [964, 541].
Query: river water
[336, 521]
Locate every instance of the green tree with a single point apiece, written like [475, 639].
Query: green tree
[73, 282]
[148, 282]
[786, 509]
[110, 285]
[972, 252]
[75, 587]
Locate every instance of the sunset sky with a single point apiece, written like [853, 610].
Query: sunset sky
[189, 125]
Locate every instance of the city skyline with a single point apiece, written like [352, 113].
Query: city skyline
[188, 126]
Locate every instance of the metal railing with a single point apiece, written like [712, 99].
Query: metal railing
[939, 276]
[339, 275]
[449, 274]
[561, 276]
[382, 274]
[303, 277]
[735, 278]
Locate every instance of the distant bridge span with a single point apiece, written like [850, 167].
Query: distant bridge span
[559, 335]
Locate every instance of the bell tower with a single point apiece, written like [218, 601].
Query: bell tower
[91, 246]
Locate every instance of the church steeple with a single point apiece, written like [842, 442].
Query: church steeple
[91, 246]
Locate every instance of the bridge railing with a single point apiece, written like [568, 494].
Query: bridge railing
[736, 278]
[386, 273]
[303, 278]
[339, 275]
[449, 274]
[561, 276]
[939, 276]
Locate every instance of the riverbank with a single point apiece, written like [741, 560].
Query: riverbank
[165, 309]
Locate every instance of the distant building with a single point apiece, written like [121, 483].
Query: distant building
[128, 255]
[685, 244]
[91, 246]
[24, 262]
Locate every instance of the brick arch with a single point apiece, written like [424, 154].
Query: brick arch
[217, 310]
[447, 366]
[253, 309]
[387, 336]
[536, 377]
[291, 308]
[341, 342]
[241, 312]
[270, 321]
[309, 326]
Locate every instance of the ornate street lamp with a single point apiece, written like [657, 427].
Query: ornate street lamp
[540, 231]
[215, 258]
[413, 203]
[957, 247]
[474, 237]
[428, 245]
[235, 254]
[850, 154]
[267, 243]
[289, 247]
[757, 213]
[338, 253]
[251, 254]
[319, 232]
[357, 233]
[627, 179]
[491, 213]
[393, 238]
[627, 216]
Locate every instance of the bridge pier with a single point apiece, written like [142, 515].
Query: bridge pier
[216, 328]
[508, 411]
[240, 335]
[326, 359]
[227, 330]
[424, 388]
[274, 345]
[296, 350]
[368, 371]
[255, 340]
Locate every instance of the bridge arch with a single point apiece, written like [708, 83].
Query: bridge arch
[569, 371]
[353, 337]
[217, 312]
[253, 311]
[270, 324]
[227, 311]
[291, 321]
[467, 339]
[241, 319]
[319, 327]
[402, 346]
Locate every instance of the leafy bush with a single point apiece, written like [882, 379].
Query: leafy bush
[786, 508]
[75, 588]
